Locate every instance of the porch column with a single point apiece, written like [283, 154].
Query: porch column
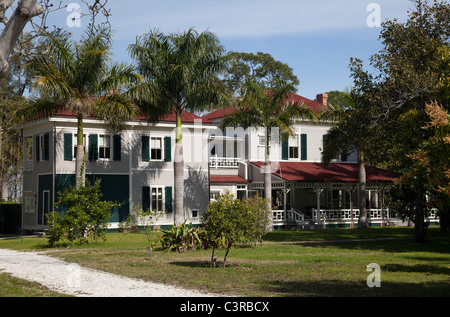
[350, 191]
[318, 192]
[285, 190]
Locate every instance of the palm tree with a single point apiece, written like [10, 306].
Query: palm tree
[81, 78]
[180, 72]
[350, 132]
[268, 109]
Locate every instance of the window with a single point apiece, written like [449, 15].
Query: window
[45, 207]
[293, 147]
[28, 157]
[42, 146]
[104, 146]
[156, 149]
[157, 199]
[29, 149]
[214, 195]
[261, 140]
[241, 192]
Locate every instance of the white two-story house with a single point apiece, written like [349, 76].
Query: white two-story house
[135, 165]
[301, 187]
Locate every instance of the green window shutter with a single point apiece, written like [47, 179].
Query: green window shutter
[145, 198]
[68, 147]
[46, 147]
[37, 148]
[285, 150]
[117, 144]
[93, 147]
[146, 148]
[304, 146]
[168, 149]
[168, 202]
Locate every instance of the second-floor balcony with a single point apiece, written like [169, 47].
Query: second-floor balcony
[224, 162]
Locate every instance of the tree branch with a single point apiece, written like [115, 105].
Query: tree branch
[26, 9]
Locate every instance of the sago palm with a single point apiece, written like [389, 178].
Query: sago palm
[81, 78]
[180, 72]
[272, 110]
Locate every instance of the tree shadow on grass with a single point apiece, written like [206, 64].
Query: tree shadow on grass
[418, 268]
[358, 289]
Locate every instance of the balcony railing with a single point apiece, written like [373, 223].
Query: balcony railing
[224, 162]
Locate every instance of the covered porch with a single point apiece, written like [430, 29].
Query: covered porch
[308, 195]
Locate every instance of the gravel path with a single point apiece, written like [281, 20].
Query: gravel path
[69, 278]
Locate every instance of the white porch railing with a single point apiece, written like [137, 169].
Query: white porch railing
[280, 217]
[224, 162]
[346, 214]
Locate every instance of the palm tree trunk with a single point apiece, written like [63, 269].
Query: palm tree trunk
[179, 174]
[80, 171]
[362, 221]
[268, 175]
[419, 217]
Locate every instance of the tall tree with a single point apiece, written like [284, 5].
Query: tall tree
[272, 110]
[260, 66]
[80, 77]
[181, 73]
[412, 70]
[351, 131]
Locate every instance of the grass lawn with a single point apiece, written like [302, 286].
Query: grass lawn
[287, 263]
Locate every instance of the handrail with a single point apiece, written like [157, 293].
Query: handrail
[224, 162]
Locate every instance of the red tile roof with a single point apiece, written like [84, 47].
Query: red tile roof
[313, 105]
[186, 117]
[228, 179]
[334, 173]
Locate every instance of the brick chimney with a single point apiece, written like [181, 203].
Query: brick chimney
[322, 99]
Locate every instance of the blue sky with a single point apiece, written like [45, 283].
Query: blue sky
[315, 38]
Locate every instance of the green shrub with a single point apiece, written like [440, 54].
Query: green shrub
[79, 214]
[183, 237]
[229, 221]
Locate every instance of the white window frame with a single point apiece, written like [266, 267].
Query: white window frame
[261, 140]
[294, 142]
[104, 136]
[161, 148]
[158, 208]
[214, 194]
[43, 204]
[41, 149]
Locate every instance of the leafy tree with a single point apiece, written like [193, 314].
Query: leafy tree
[81, 78]
[411, 71]
[432, 160]
[10, 143]
[272, 110]
[229, 221]
[79, 214]
[260, 67]
[181, 73]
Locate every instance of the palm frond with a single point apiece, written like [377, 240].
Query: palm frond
[37, 108]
